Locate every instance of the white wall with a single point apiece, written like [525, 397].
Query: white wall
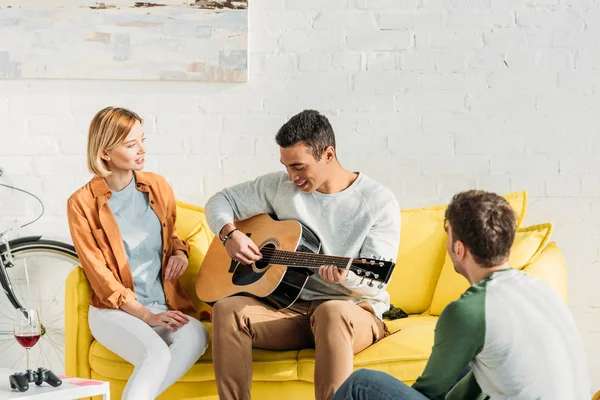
[427, 96]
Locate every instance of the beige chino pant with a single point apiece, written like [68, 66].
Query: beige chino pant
[336, 329]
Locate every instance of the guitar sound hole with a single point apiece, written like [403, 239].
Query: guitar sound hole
[267, 252]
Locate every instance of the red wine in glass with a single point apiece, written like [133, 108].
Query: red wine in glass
[27, 340]
[27, 328]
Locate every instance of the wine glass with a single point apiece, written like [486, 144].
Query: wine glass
[27, 328]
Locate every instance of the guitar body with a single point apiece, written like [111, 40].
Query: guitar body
[277, 284]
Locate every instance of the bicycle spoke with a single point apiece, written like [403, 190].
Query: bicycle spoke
[49, 322]
[18, 292]
[3, 314]
[17, 360]
[60, 291]
[7, 340]
[55, 325]
[44, 357]
[9, 343]
[27, 281]
[55, 332]
[56, 347]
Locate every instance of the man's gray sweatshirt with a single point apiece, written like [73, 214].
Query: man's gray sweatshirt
[363, 220]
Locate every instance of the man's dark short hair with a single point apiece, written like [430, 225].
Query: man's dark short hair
[310, 128]
[485, 223]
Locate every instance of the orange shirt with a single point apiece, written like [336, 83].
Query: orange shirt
[100, 247]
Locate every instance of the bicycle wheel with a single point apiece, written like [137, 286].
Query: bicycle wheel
[37, 276]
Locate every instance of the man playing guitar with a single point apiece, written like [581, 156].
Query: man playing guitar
[338, 312]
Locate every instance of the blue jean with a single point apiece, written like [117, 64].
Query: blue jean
[366, 384]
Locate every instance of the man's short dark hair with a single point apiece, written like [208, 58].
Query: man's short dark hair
[485, 223]
[309, 127]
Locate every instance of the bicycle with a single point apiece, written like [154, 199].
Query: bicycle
[27, 264]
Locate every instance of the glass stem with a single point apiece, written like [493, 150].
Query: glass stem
[27, 351]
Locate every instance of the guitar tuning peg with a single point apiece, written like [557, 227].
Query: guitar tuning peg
[370, 284]
[380, 286]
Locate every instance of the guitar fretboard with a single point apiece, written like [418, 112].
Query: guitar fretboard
[307, 260]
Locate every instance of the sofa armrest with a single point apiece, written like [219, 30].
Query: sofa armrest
[551, 267]
[78, 338]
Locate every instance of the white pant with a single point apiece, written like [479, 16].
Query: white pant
[160, 356]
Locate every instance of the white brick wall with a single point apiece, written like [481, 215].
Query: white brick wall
[428, 96]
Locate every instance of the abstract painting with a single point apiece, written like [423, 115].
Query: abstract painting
[173, 40]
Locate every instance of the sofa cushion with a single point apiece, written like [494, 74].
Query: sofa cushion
[420, 258]
[402, 354]
[267, 365]
[192, 227]
[422, 253]
[190, 219]
[551, 267]
[529, 243]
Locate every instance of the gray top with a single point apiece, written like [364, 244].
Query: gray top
[361, 221]
[142, 237]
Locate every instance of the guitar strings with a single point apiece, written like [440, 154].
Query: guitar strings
[298, 255]
[268, 250]
[271, 250]
[311, 260]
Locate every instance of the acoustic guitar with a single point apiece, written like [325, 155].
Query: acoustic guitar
[290, 255]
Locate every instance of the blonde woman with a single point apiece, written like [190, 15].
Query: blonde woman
[123, 227]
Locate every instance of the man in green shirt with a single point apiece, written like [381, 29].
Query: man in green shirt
[513, 330]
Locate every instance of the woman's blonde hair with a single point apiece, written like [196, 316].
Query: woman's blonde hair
[108, 129]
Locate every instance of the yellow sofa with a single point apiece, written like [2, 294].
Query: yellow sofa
[423, 283]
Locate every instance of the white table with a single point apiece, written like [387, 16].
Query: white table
[67, 391]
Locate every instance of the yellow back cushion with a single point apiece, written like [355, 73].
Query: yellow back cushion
[422, 253]
[193, 228]
[529, 243]
[420, 258]
[551, 267]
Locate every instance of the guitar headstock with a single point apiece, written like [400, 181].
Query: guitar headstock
[371, 269]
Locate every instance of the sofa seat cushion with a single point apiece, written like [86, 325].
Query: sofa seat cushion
[267, 365]
[402, 354]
